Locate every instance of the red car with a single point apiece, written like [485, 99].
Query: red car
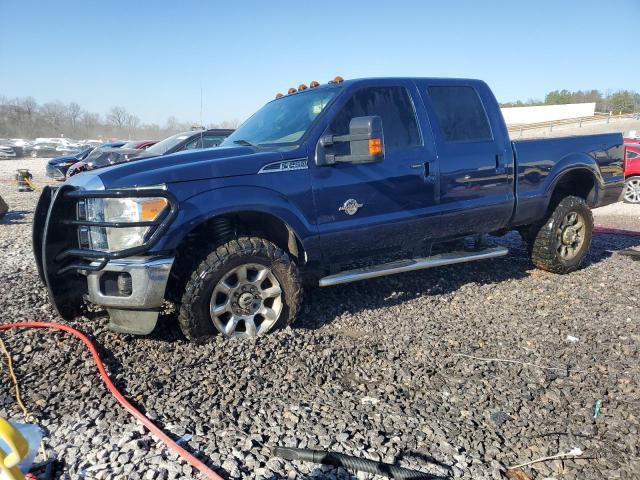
[632, 171]
[139, 144]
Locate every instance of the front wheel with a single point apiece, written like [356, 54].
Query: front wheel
[632, 190]
[245, 288]
[562, 242]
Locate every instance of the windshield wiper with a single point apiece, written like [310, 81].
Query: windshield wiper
[244, 142]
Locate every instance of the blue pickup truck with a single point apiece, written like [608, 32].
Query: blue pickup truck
[325, 185]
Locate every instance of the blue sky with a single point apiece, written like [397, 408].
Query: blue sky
[153, 57]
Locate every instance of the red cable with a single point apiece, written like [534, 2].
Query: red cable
[193, 461]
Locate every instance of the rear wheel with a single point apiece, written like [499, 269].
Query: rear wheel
[632, 190]
[245, 288]
[562, 242]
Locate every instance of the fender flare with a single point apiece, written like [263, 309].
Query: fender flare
[572, 163]
[237, 199]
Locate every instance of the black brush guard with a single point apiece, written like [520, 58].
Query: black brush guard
[58, 255]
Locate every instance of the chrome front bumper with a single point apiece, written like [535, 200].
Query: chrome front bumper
[137, 310]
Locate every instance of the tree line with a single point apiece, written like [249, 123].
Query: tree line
[24, 118]
[621, 101]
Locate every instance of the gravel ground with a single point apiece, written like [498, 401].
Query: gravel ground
[372, 369]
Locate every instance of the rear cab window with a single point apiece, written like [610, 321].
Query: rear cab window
[459, 114]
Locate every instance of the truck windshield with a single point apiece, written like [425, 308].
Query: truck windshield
[282, 122]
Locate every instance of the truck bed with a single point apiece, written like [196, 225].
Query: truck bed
[537, 163]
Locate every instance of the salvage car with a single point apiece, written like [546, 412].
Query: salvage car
[326, 185]
[7, 151]
[103, 157]
[193, 140]
[139, 144]
[57, 167]
[42, 149]
[632, 172]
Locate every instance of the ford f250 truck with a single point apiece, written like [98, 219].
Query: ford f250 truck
[325, 185]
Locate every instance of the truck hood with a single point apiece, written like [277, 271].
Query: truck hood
[187, 166]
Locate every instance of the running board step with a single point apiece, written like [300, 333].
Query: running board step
[411, 264]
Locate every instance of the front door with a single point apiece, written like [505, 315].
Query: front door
[378, 210]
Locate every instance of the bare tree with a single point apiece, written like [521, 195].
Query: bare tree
[23, 117]
[90, 122]
[54, 114]
[230, 123]
[74, 111]
[117, 117]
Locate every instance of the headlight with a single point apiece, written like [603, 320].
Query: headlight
[118, 210]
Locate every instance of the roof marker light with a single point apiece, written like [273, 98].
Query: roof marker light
[338, 79]
[291, 90]
[314, 84]
[279, 95]
[301, 87]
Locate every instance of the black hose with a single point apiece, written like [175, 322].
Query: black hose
[351, 463]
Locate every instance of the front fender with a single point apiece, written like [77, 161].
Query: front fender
[235, 199]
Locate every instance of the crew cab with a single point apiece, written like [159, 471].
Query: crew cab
[326, 185]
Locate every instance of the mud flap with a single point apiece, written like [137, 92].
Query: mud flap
[50, 238]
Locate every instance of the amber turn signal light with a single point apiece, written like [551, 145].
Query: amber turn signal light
[152, 208]
[375, 146]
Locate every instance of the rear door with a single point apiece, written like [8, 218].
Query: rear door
[391, 198]
[474, 155]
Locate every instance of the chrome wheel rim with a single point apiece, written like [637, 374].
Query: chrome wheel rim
[632, 191]
[246, 301]
[570, 235]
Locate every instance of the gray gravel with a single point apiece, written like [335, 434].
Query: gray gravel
[371, 369]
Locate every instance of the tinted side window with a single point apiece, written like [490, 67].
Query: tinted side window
[392, 104]
[460, 114]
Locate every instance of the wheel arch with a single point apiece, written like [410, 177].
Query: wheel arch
[581, 180]
[219, 228]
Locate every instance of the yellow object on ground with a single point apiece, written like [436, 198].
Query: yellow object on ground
[18, 450]
[29, 182]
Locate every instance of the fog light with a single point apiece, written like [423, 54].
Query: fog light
[125, 284]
